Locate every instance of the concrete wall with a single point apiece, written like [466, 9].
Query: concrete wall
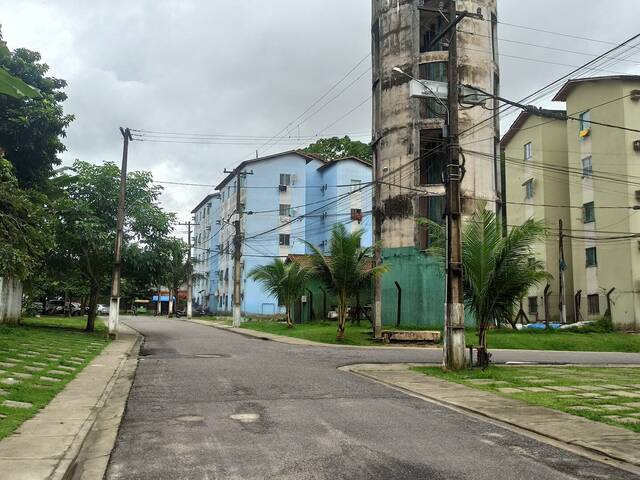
[10, 300]
[612, 152]
[398, 121]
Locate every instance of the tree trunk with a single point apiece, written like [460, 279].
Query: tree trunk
[287, 312]
[171, 303]
[159, 304]
[483, 353]
[67, 304]
[93, 300]
[342, 317]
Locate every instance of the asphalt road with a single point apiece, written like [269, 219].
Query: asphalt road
[211, 404]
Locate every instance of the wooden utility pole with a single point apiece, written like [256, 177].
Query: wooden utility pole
[454, 355]
[114, 306]
[237, 251]
[189, 273]
[562, 266]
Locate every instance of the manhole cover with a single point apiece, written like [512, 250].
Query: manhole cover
[210, 355]
[190, 418]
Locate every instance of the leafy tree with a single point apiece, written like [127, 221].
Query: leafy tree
[334, 148]
[498, 269]
[285, 281]
[24, 226]
[86, 208]
[348, 268]
[177, 268]
[31, 127]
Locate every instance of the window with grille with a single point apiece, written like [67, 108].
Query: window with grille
[591, 257]
[588, 212]
[285, 179]
[593, 304]
[587, 167]
[528, 189]
[528, 152]
[285, 240]
[285, 210]
[533, 305]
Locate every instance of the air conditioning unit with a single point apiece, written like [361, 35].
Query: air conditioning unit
[635, 95]
[637, 195]
[282, 188]
[636, 145]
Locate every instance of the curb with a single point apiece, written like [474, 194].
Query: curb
[583, 449]
[70, 467]
[245, 332]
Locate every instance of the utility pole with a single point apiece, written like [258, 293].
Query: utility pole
[237, 250]
[562, 266]
[454, 344]
[189, 274]
[114, 307]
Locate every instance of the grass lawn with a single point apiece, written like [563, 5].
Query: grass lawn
[609, 395]
[37, 360]
[324, 332]
[559, 340]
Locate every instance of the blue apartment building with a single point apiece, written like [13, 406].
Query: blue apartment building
[287, 198]
[204, 243]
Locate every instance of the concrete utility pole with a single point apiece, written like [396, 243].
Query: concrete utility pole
[454, 356]
[114, 306]
[562, 266]
[237, 251]
[189, 274]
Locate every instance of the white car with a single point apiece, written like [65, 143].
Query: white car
[102, 309]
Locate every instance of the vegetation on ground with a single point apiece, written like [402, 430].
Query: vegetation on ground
[607, 394]
[286, 282]
[346, 270]
[498, 269]
[322, 332]
[37, 360]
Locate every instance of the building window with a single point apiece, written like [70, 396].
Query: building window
[285, 210]
[585, 124]
[588, 213]
[437, 72]
[355, 184]
[432, 209]
[356, 214]
[593, 304]
[528, 152]
[433, 157]
[528, 189]
[285, 240]
[431, 24]
[587, 167]
[591, 257]
[285, 179]
[533, 305]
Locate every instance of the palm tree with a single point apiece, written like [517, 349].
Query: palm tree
[285, 281]
[346, 270]
[498, 270]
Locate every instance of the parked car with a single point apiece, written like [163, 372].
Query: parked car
[58, 307]
[102, 309]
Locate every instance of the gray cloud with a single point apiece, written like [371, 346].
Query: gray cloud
[249, 68]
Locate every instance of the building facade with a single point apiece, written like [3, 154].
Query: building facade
[204, 240]
[536, 166]
[410, 152]
[586, 172]
[286, 199]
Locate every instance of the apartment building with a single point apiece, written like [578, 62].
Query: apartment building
[585, 171]
[204, 241]
[286, 198]
[535, 156]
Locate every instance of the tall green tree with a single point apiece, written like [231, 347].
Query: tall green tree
[334, 148]
[25, 227]
[346, 270]
[285, 281]
[31, 126]
[498, 270]
[86, 209]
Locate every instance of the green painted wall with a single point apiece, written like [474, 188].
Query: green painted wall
[316, 302]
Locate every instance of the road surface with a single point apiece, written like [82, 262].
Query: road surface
[212, 404]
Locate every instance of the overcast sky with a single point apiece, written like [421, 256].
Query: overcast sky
[250, 68]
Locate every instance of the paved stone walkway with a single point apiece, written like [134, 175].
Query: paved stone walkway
[613, 442]
[46, 445]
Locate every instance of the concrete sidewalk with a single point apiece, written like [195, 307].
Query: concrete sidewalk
[589, 437]
[47, 445]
